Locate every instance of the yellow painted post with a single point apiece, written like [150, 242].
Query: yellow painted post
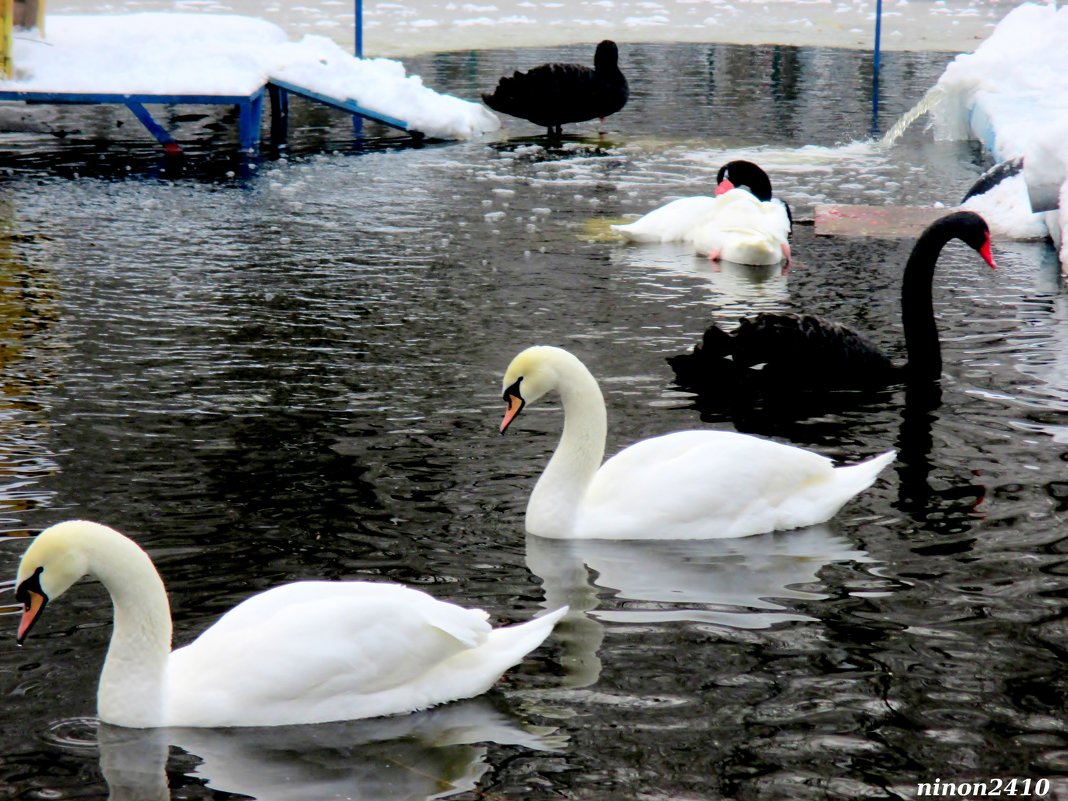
[7, 12]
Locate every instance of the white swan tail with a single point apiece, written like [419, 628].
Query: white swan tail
[511, 643]
[854, 479]
[474, 671]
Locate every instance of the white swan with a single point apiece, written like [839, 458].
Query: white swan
[686, 485]
[306, 652]
[743, 223]
[744, 230]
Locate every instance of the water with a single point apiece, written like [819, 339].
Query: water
[290, 369]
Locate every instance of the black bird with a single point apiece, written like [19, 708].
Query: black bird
[994, 176]
[802, 351]
[554, 94]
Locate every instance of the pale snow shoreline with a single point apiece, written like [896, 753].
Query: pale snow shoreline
[408, 27]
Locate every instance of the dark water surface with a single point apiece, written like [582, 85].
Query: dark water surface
[291, 369]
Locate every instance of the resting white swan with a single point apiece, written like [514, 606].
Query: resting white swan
[741, 224]
[307, 652]
[686, 485]
[744, 230]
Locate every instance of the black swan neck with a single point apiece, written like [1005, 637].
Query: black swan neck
[922, 344]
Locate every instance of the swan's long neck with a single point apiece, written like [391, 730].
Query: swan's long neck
[917, 305]
[132, 683]
[555, 500]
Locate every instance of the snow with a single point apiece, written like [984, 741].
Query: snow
[402, 27]
[229, 55]
[1006, 210]
[1011, 95]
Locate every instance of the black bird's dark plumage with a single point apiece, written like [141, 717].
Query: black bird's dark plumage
[799, 350]
[994, 176]
[555, 94]
[802, 351]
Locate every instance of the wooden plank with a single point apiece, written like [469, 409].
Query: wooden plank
[889, 222]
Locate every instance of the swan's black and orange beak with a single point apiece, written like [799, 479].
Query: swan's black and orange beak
[988, 257]
[724, 186]
[33, 600]
[515, 404]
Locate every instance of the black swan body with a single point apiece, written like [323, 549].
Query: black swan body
[803, 351]
[554, 94]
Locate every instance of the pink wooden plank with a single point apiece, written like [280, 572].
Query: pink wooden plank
[889, 222]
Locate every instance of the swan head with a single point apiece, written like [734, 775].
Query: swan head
[606, 56]
[532, 374]
[743, 174]
[54, 561]
[972, 230]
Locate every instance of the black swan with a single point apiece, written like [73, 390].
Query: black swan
[803, 351]
[554, 94]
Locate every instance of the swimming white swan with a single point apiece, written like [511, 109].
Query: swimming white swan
[686, 485]
[742, 223]
[306, 652]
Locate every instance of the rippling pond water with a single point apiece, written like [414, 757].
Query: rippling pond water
[290, 369]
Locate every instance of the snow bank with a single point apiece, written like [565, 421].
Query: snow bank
[221, 54]
[1012, 95]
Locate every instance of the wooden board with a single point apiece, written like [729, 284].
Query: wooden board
[891, 222]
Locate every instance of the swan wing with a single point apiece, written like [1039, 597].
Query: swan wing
[743, 229]
[553, 94]
[710, 484]
[809, 351]
[671, 222]
[314, 651]
[546, 95]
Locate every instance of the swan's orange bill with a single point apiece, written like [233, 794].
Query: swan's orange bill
[984, 251]
[515, 405]
[30, 615]
[724, 186]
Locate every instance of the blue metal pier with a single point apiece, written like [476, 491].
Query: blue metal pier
[250, 109]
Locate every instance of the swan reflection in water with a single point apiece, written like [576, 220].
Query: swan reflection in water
[737, 289]
[434, 754]
[726, 582]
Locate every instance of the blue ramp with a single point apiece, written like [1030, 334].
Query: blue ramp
[350, 106]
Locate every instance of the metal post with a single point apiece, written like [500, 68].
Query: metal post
[249, 119]
[359, 28]
[279, 117]
[170, 146]
[875, 67]
[357, 120]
